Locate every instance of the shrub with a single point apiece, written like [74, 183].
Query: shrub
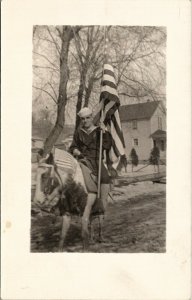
[134, 158]
[154, 156]
[122, 163]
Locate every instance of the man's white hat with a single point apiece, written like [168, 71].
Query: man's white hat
[84, 112]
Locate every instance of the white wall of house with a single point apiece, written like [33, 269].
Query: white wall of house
[158, 120]
[141, 133]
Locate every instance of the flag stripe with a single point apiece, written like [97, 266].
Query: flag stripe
[108, 72]
[117, 136]
[105, 95]
[109, 67]
[107, 77]
[117, 118]
[109, 83]
[114, 153]
[115, 150]
[110, 99]
[109, 90]
[67, 163]
[107, 108]
[118, 130]
[111, 112]
[65, 160]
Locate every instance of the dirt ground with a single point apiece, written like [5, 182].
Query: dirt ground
[135, 222]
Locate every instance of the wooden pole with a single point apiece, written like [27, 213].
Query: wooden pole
[100, 159]
[155, 177]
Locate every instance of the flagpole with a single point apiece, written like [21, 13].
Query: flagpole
[101, 131]
[100, 158]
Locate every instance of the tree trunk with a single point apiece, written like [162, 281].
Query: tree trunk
[80, 98]
[90, 55]
[67, 35]
[88, 91]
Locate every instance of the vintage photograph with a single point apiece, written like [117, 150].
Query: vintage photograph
[98, 140]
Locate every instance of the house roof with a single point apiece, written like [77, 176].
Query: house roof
[138, 111]
[159, 134]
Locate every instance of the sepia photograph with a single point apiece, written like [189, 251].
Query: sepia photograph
[96, 150]
[98, 140]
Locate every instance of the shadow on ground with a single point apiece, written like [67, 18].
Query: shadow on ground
[132, 225]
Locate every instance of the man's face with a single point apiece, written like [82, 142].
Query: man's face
[87, 121]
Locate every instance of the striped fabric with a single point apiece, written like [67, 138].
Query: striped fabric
[109, 100]
[68, 165]
[65, 161]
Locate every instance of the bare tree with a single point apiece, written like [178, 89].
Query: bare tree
[68, 64]
[140, 62]
[46, 69]
[89, 56]
[66, 34]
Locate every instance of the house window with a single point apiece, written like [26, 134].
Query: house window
[160, 123]
[134, 124]
[135, 142]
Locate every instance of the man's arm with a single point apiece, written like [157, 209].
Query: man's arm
[74, 148]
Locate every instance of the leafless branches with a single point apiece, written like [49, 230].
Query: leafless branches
[137, 54]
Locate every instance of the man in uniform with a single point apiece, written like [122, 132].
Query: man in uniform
[85, 146]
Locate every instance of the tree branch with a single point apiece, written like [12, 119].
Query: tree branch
[54, 41]
[41, 89]
[43, 67]
[53, 90]
[78, 47]
[59, 32]
[45, 57]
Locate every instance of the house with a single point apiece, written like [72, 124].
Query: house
[144, 125]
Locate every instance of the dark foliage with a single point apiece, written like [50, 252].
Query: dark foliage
[154, 156]
[134, 157]
[122, 163]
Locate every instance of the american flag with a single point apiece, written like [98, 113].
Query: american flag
[68, 165]
[109, 101]
[65, 161]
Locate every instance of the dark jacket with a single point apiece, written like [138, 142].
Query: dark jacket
[88, 145]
